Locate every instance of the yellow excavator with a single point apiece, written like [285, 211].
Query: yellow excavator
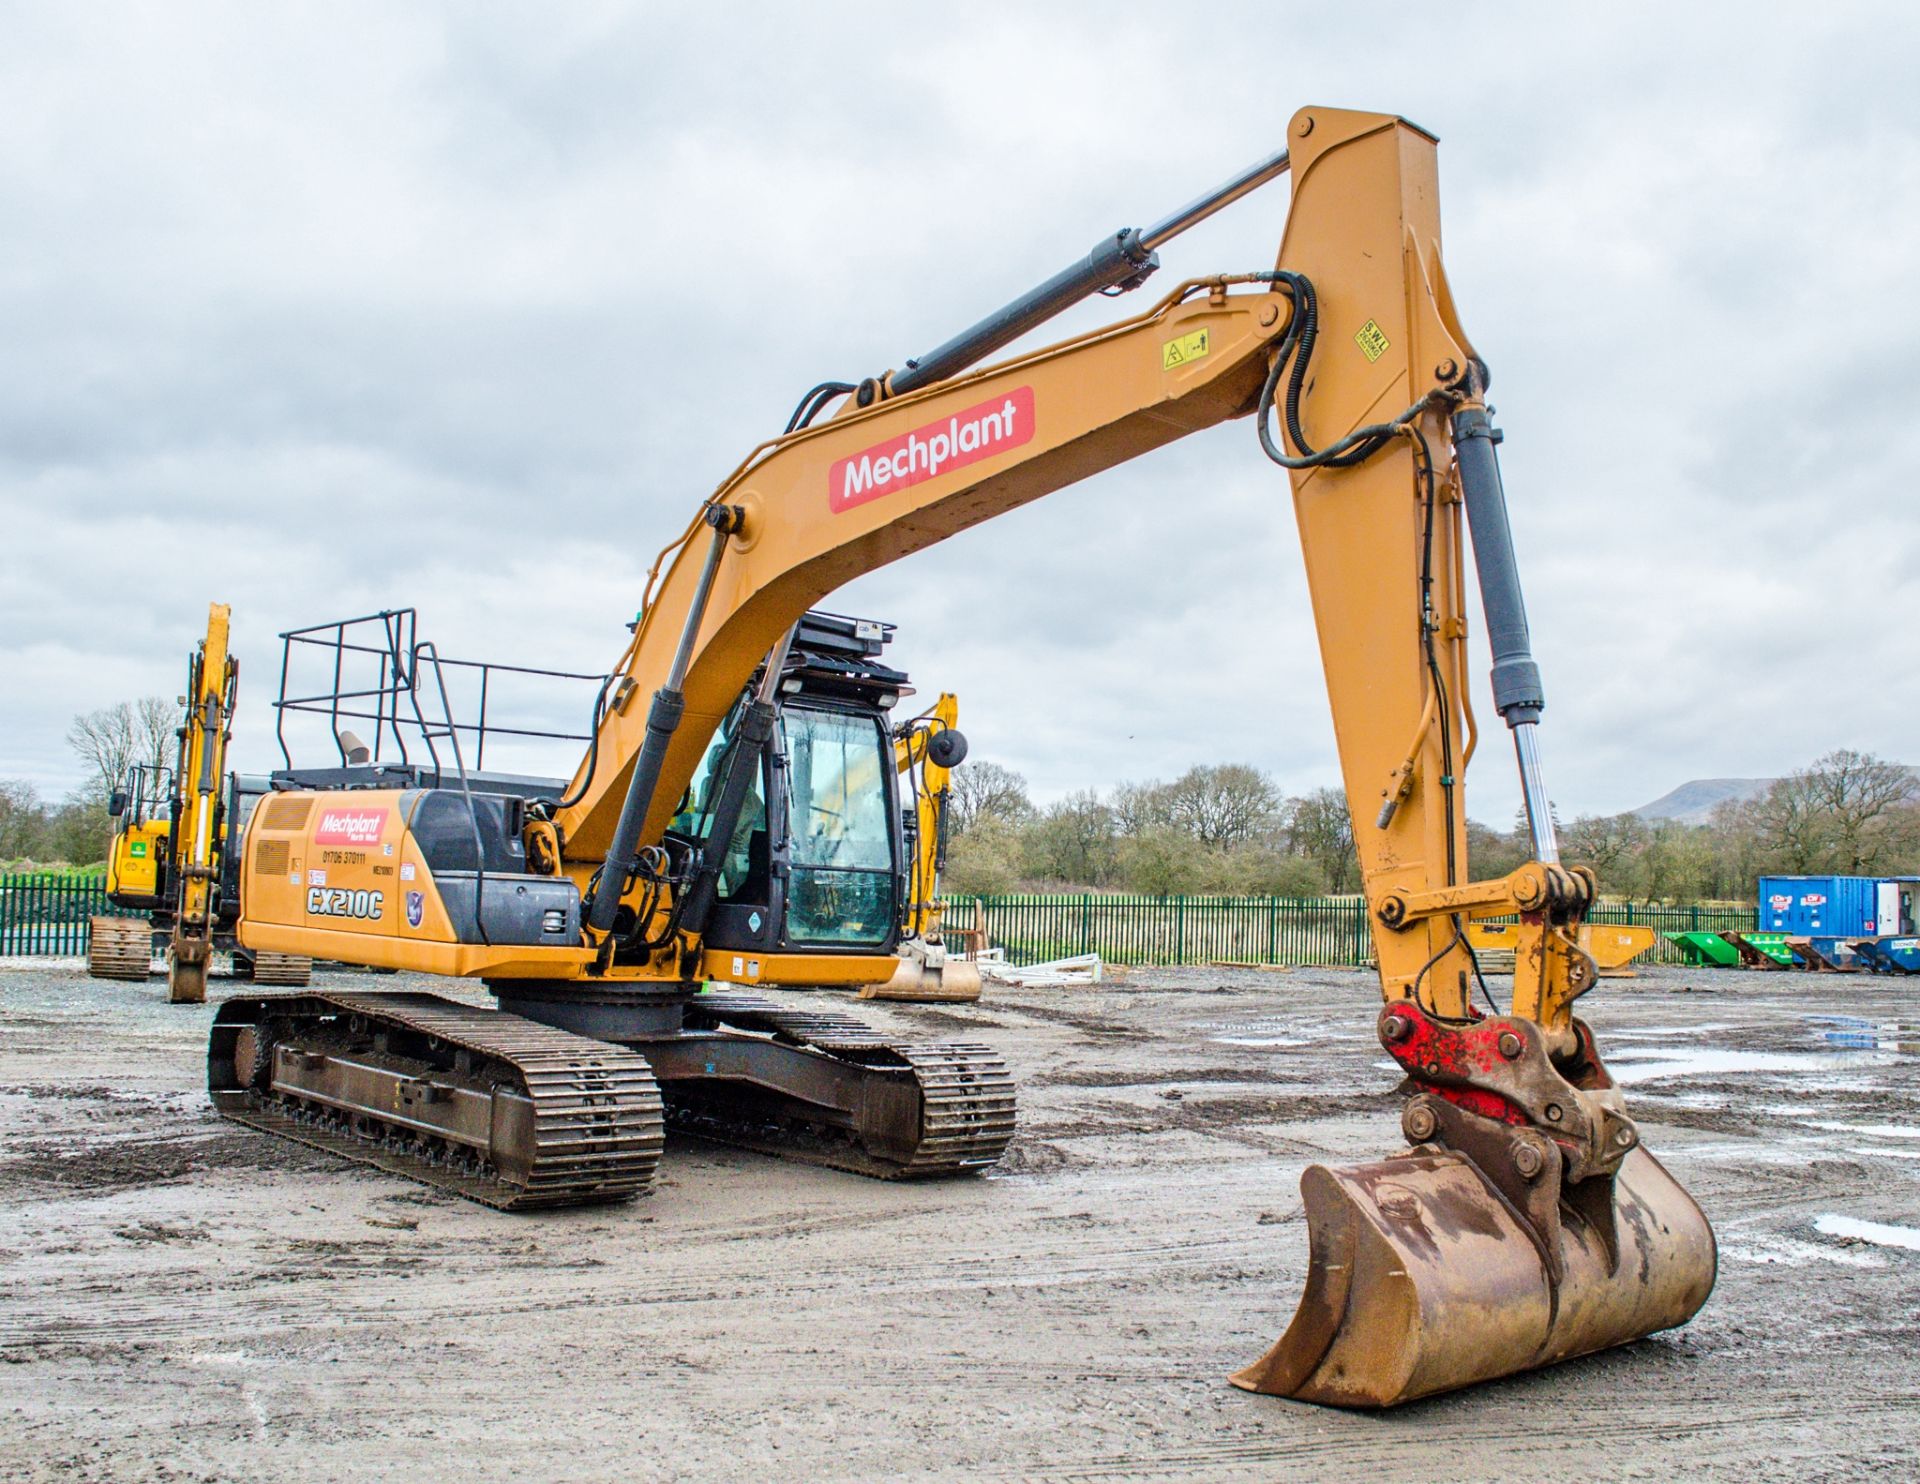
[168, 859]
[926, 750]
[1524, 1223]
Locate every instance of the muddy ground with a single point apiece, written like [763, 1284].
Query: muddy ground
[186, 1299]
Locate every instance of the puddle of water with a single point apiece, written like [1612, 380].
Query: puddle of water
[1877, 1130]
[1263, 1034]
[1877, 1232]
[1886, 1153]
[1669, 1063]
[1644, 1032]
[1789, 1252]
[1858, 1032]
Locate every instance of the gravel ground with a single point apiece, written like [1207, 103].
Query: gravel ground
[186, 1299]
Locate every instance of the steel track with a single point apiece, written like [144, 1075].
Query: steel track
[597, 1119]
[967, 1095]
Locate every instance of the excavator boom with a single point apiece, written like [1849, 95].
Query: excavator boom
[174, 868]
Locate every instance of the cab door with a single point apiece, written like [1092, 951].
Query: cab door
[843, 836]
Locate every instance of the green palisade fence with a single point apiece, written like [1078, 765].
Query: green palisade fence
[46, 912]
[1304, 931]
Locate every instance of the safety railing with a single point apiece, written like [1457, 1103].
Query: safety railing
[370, 670]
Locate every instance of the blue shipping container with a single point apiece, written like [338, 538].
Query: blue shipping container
[1803, 905]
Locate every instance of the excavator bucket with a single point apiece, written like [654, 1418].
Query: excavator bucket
[1424, 1277]
[919, 979]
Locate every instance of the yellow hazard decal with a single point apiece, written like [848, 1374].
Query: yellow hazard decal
[1189, 347]
[1372, 341]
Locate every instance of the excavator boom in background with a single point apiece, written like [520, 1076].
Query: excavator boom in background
[169, 857]
[1524, 1224]
[927, 748]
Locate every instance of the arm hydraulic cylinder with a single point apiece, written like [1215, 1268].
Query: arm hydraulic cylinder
[1517, 694]
[1122, 261]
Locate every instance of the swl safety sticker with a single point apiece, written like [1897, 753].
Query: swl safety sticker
[1182, 349]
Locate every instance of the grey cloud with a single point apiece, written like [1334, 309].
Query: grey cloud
[467, 309]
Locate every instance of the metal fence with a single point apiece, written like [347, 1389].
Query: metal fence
[1174, 930]
[46, 912]
[1305, 931]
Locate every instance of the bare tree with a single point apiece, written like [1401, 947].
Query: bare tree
[111, 740]
[22, 819]
[1222, 805]
[1321, 829]
[1491, 854]
[1604, 841]
[107, 744]
[1842, 812]
[156, 730]
[984, 790]
[1141, 807]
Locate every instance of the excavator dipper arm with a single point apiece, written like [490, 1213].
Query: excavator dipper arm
[1525, 1224]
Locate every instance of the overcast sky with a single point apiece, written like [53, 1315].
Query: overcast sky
[318, 310]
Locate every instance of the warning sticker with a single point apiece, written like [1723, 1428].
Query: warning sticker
[1372, 341]
[1185, 348]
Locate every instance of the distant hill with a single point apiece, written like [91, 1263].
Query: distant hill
[1693, 802]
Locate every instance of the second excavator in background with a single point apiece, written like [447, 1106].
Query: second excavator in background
[927, 748]
[169, 860]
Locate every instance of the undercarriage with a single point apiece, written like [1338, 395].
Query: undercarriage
[520, 1113]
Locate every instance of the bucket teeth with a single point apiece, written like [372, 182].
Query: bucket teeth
[1423, 1278]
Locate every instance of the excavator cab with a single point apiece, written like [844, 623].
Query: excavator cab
[142, 823]
[815, 860]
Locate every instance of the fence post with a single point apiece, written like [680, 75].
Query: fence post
[1180, 929]
[1086, 922]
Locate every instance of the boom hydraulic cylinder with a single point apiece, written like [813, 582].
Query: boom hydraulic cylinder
[663, 720]
[743, 763]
